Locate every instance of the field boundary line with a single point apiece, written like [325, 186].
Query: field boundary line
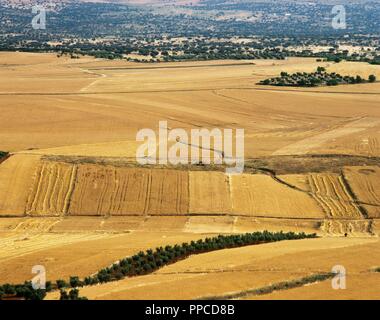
[177, 90]
[279, 286]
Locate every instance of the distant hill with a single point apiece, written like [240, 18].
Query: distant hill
[22, 3]
[142, 2]
[86, 19]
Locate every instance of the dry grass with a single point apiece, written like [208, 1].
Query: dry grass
[16, 175]
[82, 117]
[365, 184]
[332, 194]
[230, 271]
[260, 195]
[209, 193]
[52, 189]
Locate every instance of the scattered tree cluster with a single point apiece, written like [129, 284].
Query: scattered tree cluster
[23, 291]
[314, 79]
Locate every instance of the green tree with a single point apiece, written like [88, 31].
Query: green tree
[48, 286]
[372, 78]
[61, 284]
[75, 282]
[63, 295]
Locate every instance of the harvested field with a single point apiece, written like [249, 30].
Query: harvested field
[365, 184]
[261, 195]
[52, 189]
[124, 149]
[249, 224]
[233, 270]
[209, 193]
[356, 228]
[80, 224]
[168, 192]
[300, 181]
[242, 224]
[32, 225]
[332, 194]
[127, 191]
[217, 224]
[20, 245]
[77, 253]
[16, 177]
[105, 190]
[93, 191]
[164, 223]
[314, 142]
[284, 165]
[312, 165]
[357, 289]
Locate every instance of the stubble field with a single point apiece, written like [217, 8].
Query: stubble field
[73, 199]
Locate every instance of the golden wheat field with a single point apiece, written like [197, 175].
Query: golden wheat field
[73, 198]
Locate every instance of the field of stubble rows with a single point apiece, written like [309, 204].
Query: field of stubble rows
[73, 199]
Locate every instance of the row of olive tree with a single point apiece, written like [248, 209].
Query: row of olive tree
[147, 262]
[152, 260]
[72, 295]
[24, 291]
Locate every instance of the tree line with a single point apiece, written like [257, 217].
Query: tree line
[146, 262]
[151, 260]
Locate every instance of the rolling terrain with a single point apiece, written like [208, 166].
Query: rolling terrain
[73, 198]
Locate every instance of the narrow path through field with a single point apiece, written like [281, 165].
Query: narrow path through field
[100, 75]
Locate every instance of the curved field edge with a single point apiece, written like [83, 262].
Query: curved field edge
[234, 270]
[150, 261]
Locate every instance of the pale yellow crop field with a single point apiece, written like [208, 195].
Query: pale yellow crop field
[237, 270]
[366, 185]
[73, 199]
[260, 195]
[16, 175]
[52, 189]
[209, 192]
[331, 192]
